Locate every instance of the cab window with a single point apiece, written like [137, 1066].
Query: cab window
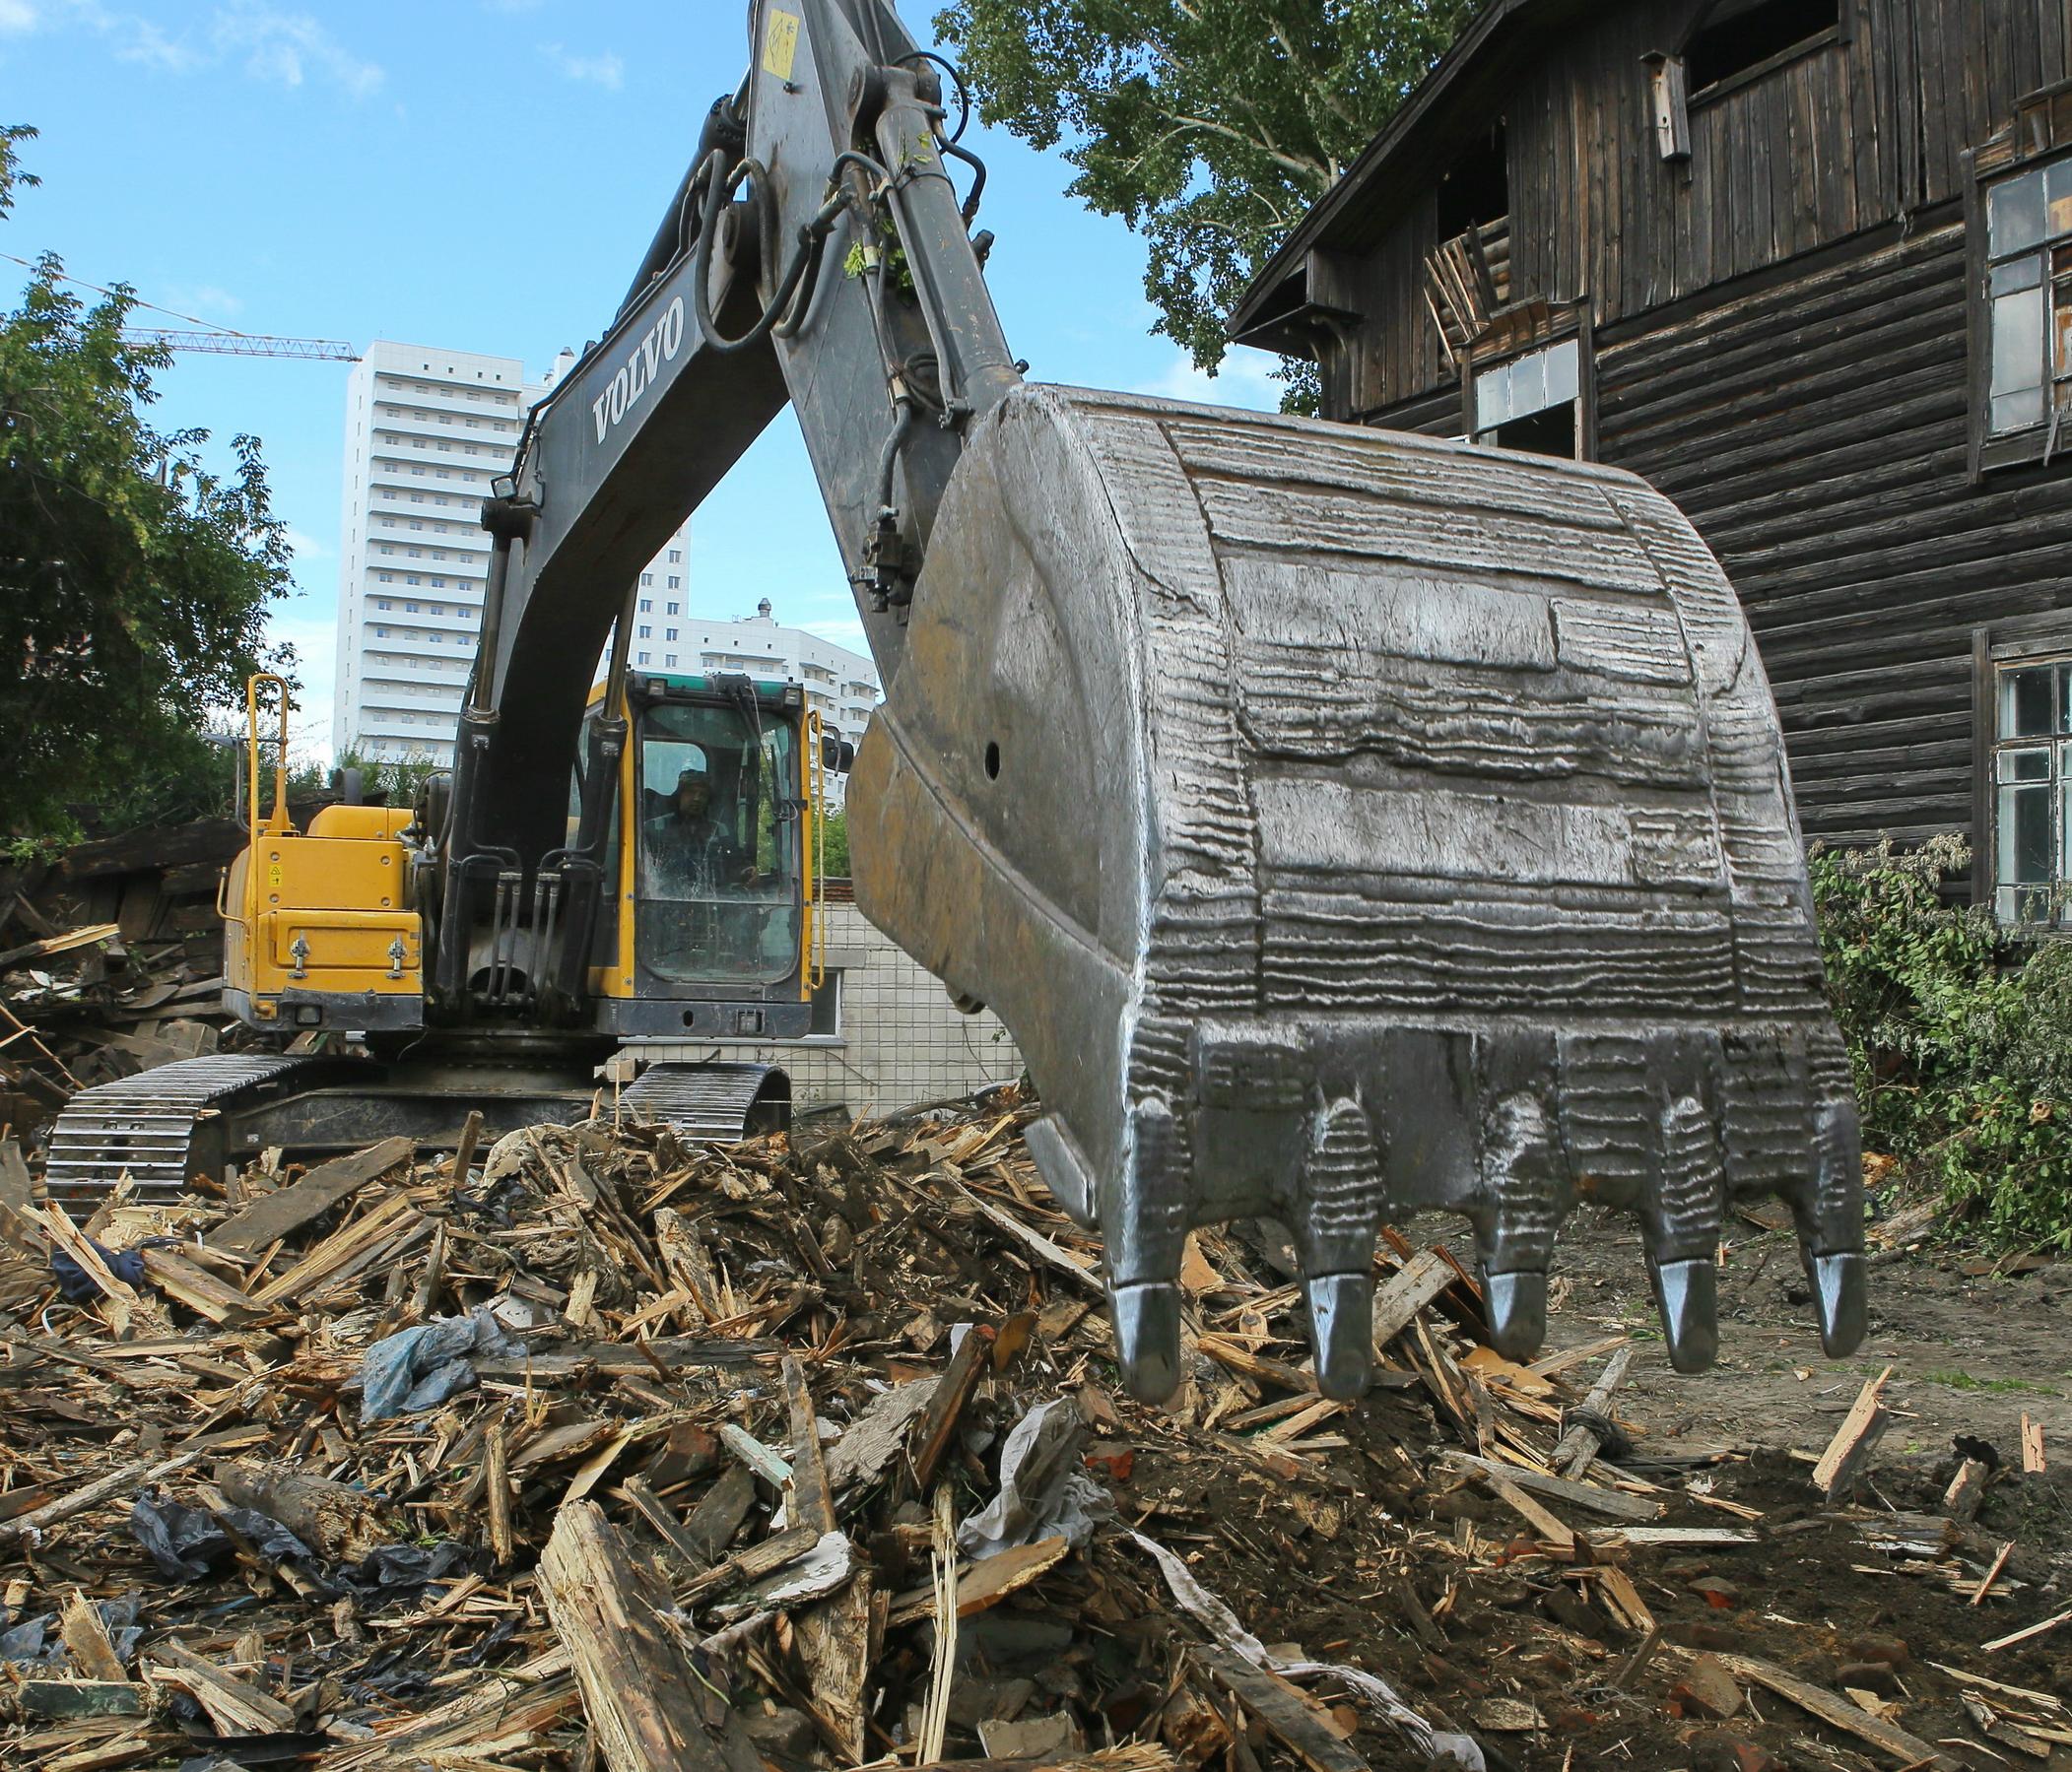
[718, 849]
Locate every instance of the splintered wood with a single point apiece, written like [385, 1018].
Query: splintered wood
[1849, 1454]
[586, 1447]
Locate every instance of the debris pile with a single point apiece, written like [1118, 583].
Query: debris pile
[110, 963]
[595, 1448]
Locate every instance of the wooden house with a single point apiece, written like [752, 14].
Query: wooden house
[1806, 265]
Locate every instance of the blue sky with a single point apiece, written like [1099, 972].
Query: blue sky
[481, 174]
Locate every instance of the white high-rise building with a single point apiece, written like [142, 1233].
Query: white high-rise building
[425, 433]
[842, 686]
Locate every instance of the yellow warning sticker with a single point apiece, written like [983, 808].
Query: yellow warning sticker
[781, 42]
[273, 876]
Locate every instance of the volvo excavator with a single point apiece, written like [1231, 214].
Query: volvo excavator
[1345, 824]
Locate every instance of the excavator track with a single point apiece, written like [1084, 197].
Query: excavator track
[714, 1104]
[164, 1127]
[159, 1128]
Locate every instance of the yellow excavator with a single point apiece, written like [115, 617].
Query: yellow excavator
[1345, 824]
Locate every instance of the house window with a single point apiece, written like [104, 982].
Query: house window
[1532, 402]
[1742, 38]
[2029, 297]
[1476, 189]
[2032, 790]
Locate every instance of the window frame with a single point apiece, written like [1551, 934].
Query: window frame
[1575, 327]
[2032, 446]
[1831, 36]
[2011, 643]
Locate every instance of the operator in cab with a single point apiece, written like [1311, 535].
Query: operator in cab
[694, 852]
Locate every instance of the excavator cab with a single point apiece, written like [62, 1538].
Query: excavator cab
[712, 928]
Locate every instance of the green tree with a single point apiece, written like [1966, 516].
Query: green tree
[134, 578]
[1210, 126]
[834, 846]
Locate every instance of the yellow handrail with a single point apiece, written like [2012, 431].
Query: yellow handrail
[813, 834]
[278, 823]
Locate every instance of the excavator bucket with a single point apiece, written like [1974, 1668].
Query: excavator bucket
[1348, 825]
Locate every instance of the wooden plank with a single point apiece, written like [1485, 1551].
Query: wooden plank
[1290, 1716]
[2028, 1635]
[2032, 1463]
[1551, 1532]
[833, 1635]
[1608, 1502]
[235, 1706]
[197, 1288]
[1849, 1452]
[1906, 1749]
[276, 1215]
[1577, 1448]
[982, 1585]
[765, 1558]
[1406, 1292]
[640, 1689]
[87, 1641]
[340, 1249]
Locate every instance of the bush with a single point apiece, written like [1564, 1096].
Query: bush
[1960, 1037]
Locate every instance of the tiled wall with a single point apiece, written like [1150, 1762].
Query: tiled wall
[901, 1042]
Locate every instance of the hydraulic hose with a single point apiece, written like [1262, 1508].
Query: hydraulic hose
[720, 184]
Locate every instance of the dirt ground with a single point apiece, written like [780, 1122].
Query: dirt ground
[1473, 1635]
[1972, 1352]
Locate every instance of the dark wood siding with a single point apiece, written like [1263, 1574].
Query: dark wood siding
[1782, 346]
[1845, 139]
[1815, 432]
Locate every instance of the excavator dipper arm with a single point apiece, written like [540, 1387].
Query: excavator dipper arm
[1345, 824]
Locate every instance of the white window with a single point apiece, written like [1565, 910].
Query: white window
[1532, 402]
[2029, 297]
[676, 556]
[668, 633]
[644, 659]
[675, 609]
[669, 659]
[2031, 791]
[676, 584]
[646, 630]
[648, 606]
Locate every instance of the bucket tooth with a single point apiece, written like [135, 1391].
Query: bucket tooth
[1342, 1330]
[1687, 1294]
[1147, 1338]
[1840, 1298]
[1830, 1230]
[1340, 1212]
[1145, 1219]
[1682, 1220]
[1525, 1191]
[1516, 1303]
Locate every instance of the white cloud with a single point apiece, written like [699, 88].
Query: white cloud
[305, 545]
[605, 70]
[289, 48]
[285, 49]
[1245, 380]
[313, 634]
[205, 298]
[843, 634]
